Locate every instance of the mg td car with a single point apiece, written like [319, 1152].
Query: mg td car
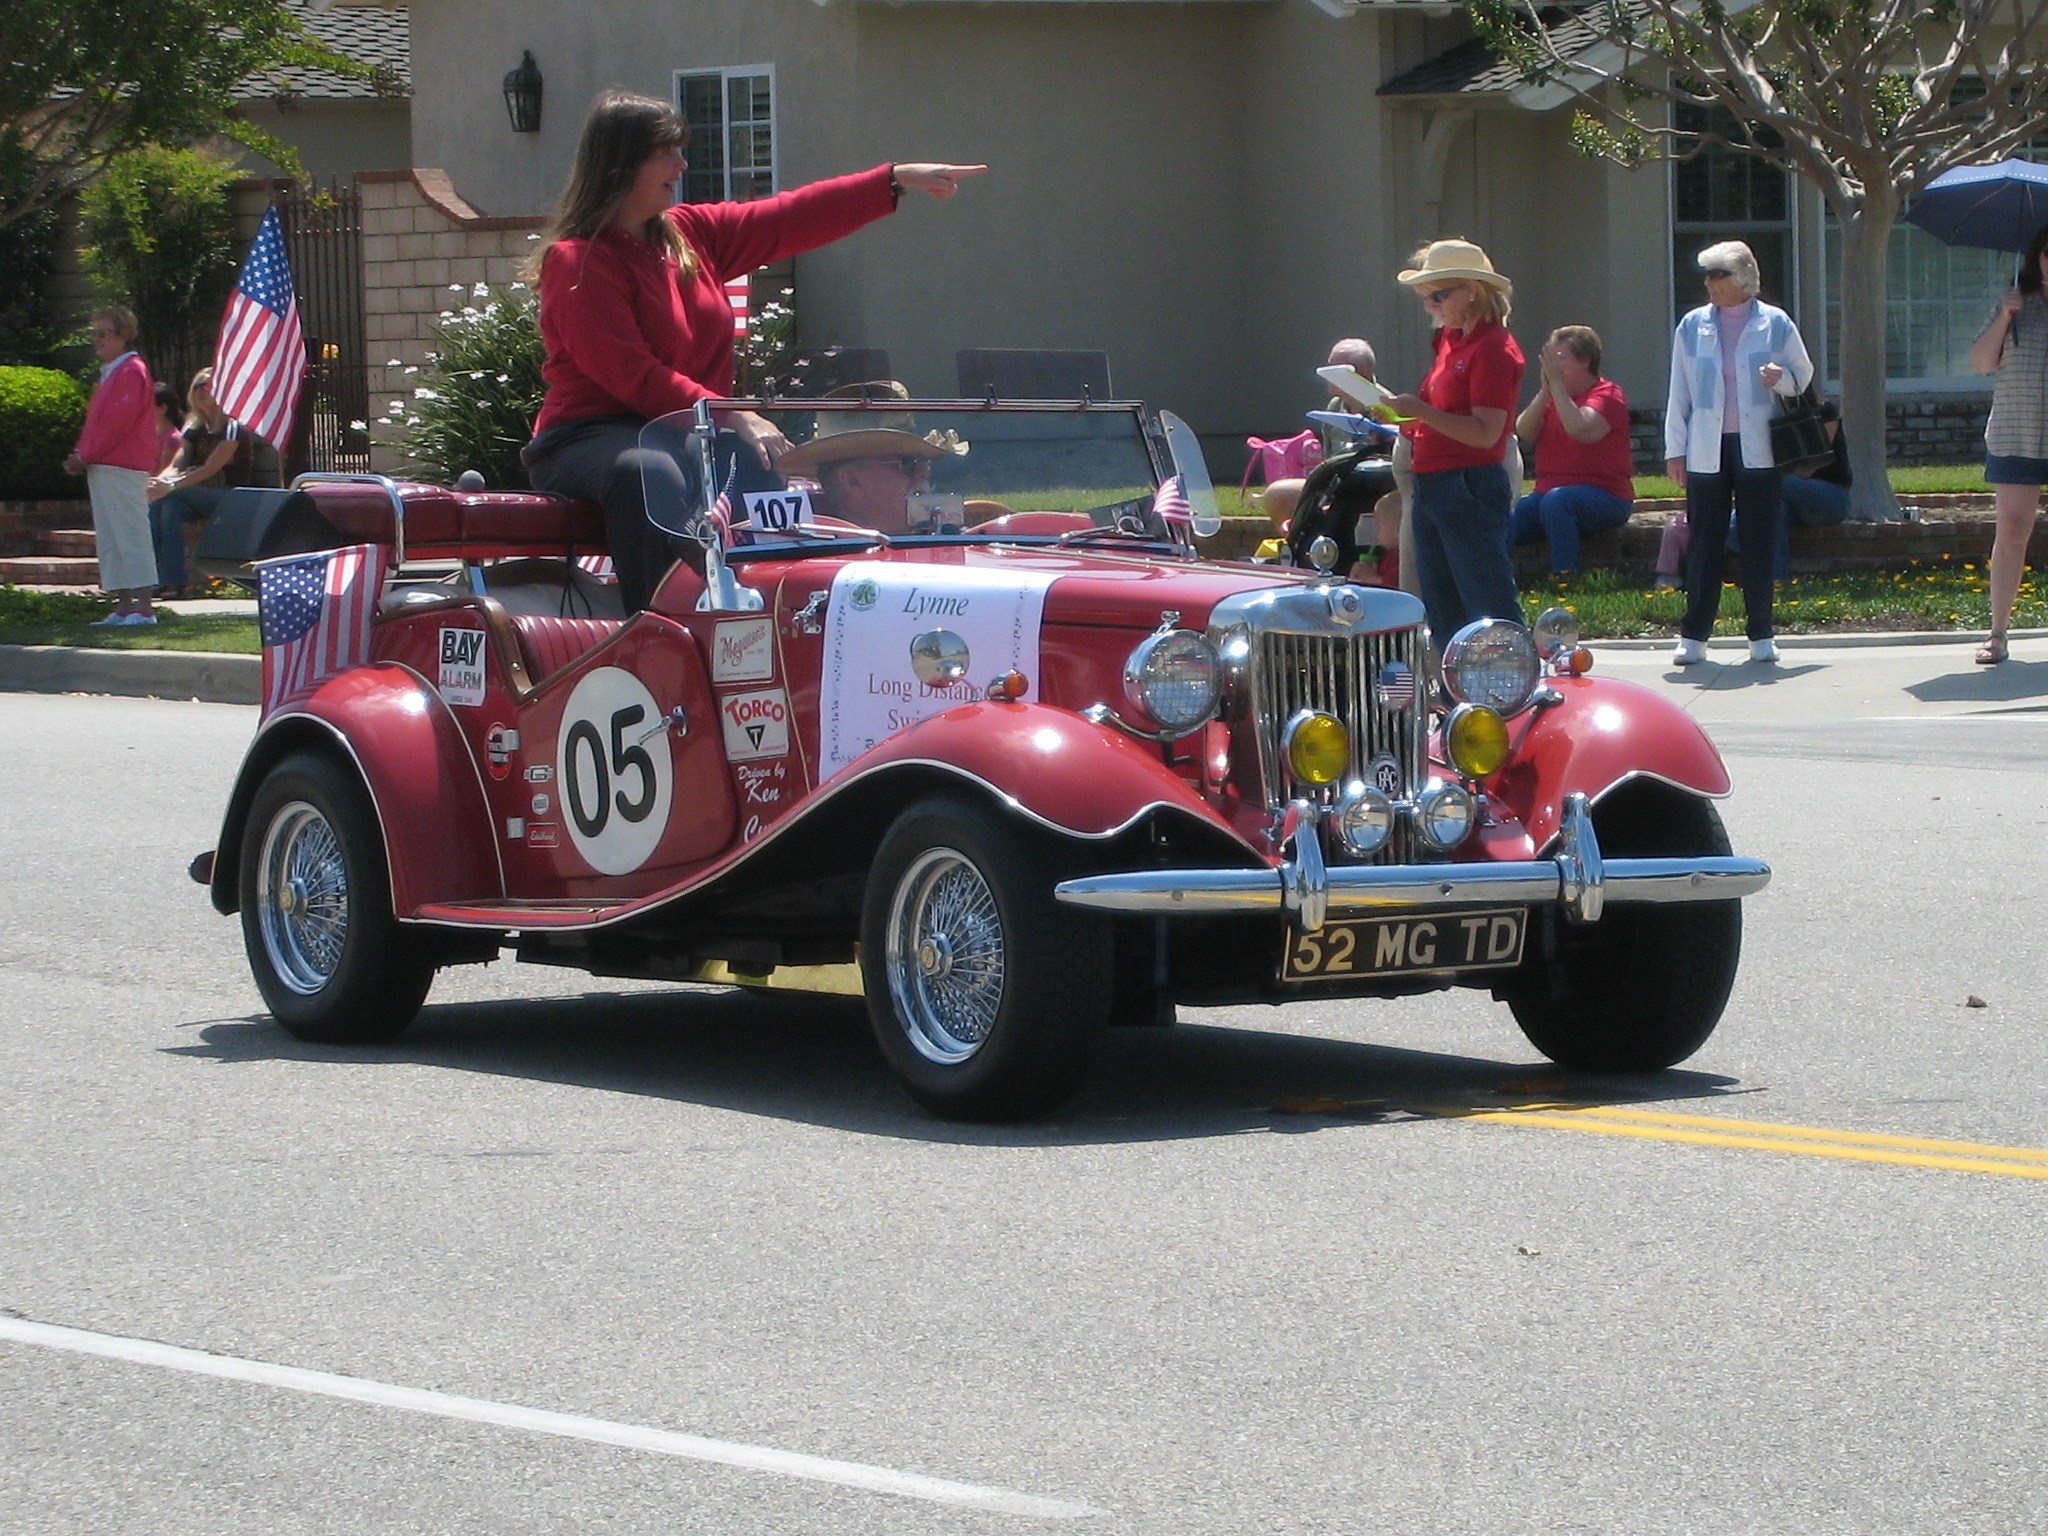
[1016, 768]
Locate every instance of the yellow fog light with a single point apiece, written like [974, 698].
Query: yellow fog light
[1318, 750]
[1475, 740]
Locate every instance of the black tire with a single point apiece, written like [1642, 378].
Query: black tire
[987, 997]
[1643, 988]
[328, 957]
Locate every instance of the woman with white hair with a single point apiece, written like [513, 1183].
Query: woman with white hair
[1729, 358]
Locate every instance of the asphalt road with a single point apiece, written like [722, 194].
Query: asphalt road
[1265, 1275]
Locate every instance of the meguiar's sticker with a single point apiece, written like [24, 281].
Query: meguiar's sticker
[743, 651]
[615, 770]
[462, 666]
[756, 724]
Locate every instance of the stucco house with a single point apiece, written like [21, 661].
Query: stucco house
[1210, 190]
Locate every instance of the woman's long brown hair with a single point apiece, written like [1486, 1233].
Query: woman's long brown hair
[623, 129]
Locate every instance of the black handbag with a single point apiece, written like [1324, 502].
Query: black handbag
[1799, 436]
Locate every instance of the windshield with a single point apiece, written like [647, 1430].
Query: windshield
[910, 471]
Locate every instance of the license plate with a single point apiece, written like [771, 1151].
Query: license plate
[1352, 947]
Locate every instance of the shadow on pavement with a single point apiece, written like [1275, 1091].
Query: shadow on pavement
[814, 1062]
[1989, 685]
[1720, 677]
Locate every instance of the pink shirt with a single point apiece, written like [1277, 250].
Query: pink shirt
[120, 419]
[1734, 318]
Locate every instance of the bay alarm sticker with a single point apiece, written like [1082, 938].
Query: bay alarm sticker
[756, 724]
[615, 770]
[462, 666]
[743, 651]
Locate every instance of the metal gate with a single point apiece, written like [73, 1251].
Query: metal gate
[323, 236]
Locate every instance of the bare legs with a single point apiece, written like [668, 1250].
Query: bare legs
[2018, 506]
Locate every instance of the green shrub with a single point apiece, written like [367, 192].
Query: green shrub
[41, 411]
[29, 325]
[472, 405]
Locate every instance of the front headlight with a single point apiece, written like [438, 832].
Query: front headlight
[1443, 814]
[1365, 818]
[1318, 747]
[1475, 740]
[1492, 662]
[1173, 679]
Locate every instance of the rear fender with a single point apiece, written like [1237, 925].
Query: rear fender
[404, 742]
[1604, 733]
[1079, 778]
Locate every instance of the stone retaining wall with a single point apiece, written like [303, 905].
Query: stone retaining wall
[1920, 429]
[23, 522]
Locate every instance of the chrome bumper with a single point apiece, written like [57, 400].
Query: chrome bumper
[1576, 877]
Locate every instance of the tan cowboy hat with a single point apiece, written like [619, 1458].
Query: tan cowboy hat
[1454, 260]
[843, 435]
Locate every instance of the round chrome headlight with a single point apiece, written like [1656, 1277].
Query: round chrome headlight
[1556, 632]
[1443, 814]
[1173, 679]
[1365, 818]
[1492, 662]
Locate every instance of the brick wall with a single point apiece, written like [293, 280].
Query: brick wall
[22, 522]
[1920, 429]
[419, 237]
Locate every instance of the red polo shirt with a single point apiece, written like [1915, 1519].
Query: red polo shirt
[628, 335]
[1562, 459]
[1473, 369]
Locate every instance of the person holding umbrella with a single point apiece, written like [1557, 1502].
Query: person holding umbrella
[2014, 346]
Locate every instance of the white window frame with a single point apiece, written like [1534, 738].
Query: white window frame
[726, 73]
[1795, 247]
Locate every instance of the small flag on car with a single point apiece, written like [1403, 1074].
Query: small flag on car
[1171, 503]
[260, 357]
[738, 296]
[315, 612]
[599, 566]
[721, 511]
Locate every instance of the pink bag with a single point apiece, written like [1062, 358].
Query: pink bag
[1282, 458]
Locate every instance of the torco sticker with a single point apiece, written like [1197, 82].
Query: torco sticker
[613, 763]
[462, 666]
[756, 724]
[743, 651]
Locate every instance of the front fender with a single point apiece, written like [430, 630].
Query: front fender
[1080, 778]
[405, 743]
[1604, 733]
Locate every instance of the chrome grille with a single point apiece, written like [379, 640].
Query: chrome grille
[1335, 673]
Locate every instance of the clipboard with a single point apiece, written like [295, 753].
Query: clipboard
[1349, 382]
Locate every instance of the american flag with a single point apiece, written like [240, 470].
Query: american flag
[721, 509]
[599, 566]
[315, 611]
[736, 294]
[1171, 503]
[261, 355]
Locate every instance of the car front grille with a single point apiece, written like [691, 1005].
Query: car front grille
[1336, 674]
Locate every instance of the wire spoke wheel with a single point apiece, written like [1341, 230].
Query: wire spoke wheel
[302, 897]
[946, 956]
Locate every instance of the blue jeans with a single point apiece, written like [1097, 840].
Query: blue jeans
[1561, 514]
[168, 516]
[1755, 496]
[1460, 528]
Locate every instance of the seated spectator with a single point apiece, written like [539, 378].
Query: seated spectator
[215, 455]
[1820, 500]
[1578, 422]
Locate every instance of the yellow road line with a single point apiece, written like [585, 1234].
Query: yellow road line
[1806, 1141]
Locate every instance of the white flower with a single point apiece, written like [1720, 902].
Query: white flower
[503, 378]
[396, 408]
[415, 368]
[457, 288]
[521, 287]
[396, 362]
[357, 426]
[480, 291]
[424, 393]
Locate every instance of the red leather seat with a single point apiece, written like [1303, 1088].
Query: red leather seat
[552, 643]
[470, 525]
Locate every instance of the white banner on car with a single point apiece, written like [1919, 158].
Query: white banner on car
[874, 613]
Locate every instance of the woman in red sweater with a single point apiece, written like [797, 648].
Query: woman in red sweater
[117, 453]
[635, 318]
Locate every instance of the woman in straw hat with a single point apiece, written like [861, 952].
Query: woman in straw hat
[1459, 522]
[634, 314]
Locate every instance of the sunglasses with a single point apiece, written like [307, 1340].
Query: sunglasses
[1713, 272]
[1437, 296]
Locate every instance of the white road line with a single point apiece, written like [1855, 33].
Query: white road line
[755, 1458]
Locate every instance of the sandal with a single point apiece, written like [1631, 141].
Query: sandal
[1992, 651]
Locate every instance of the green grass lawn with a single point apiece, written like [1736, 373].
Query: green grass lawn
[61, 618]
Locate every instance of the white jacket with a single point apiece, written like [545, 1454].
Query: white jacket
[1692, 417]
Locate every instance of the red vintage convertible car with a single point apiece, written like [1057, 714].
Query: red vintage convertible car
[1029, 771]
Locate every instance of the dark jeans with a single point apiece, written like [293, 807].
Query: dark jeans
[1561, 514]
[602, 460]
[1460, 527]
[168, 516]
[1755, 496]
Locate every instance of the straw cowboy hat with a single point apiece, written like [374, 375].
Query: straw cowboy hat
[843, 435]
[1454, 260]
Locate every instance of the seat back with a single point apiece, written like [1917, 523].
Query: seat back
[551, 642]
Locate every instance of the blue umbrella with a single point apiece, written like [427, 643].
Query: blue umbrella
[1998, 207]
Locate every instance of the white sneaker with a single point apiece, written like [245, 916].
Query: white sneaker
[1765, 649]
[1686, 652]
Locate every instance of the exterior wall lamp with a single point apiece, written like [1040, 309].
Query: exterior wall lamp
[522, 95]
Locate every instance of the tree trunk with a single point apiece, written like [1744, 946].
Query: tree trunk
[1866, 237]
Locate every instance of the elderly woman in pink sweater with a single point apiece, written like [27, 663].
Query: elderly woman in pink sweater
[117, 453]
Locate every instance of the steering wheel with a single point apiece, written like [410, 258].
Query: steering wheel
[1337, 492]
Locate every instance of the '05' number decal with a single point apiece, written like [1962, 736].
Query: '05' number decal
[613, 764]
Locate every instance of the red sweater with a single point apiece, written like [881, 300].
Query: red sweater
[1472, 370]
[120, 419]
[627, 335]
